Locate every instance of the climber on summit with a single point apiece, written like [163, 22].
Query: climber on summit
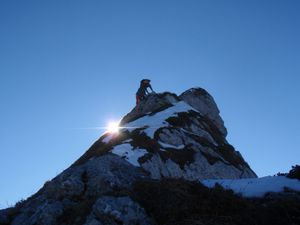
[142, 91]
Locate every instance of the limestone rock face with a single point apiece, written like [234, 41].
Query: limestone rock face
[165, 136]
[184, 137]
[120, 210]
[202, 101]
[76, 190]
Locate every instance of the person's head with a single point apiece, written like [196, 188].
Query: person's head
[145, 82]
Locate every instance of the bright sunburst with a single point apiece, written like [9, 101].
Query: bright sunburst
[113, 127]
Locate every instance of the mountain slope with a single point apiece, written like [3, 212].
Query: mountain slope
[176, 137]
[165, 137]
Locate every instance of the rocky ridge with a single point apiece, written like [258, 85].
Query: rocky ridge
[166, 136]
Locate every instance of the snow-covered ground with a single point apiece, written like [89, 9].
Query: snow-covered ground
[256, 187]
[158, 120]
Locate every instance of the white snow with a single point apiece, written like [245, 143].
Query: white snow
[256, 187]
[107, 138]
[165, 145]
[156, 121]
[127, 141]
[126, 151]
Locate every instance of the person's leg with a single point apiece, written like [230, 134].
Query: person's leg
[137, 99]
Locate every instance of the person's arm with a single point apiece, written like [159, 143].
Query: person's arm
[151, 87]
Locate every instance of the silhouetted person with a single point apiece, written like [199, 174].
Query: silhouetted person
[142, 91]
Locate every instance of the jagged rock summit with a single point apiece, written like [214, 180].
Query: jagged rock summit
[180, 137]
[166, 136]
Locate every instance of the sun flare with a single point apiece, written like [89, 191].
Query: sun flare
[113, 127]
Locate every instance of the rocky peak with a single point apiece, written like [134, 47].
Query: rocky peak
[165, 136]
[175, 136]
[202, 101]
[198, 98]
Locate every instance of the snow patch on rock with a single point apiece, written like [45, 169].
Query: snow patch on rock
[158, 120]
[127, 152]
[255, 187]
[165, 145]
[107, 138]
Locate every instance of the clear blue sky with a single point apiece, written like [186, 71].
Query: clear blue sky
[73, 64]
